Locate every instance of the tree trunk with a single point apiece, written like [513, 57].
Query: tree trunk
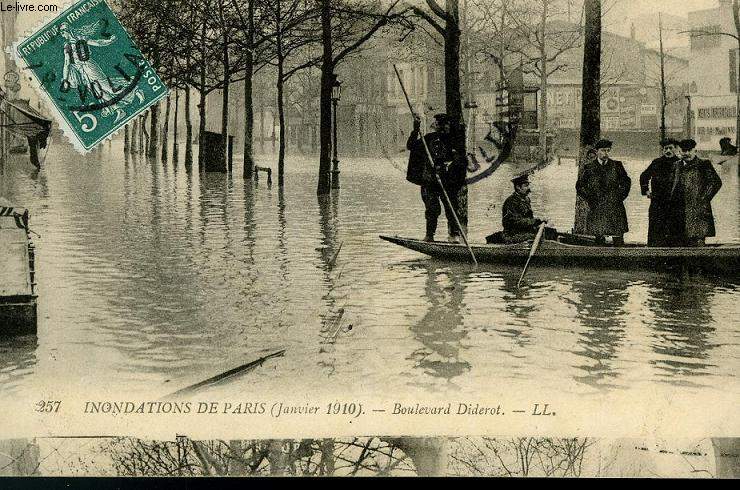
[153, 138]
[188, 130]
[202, 104]
[453, 98]
[543, 83]
[281, 124]
[248, 110]
[262, 126]
[591, 99]
[736, 18]
[135, 136]
[126, 141]
[201, 129]
[165, 130]
[663, 95]
[429, 454]
[175, 149]
[280, 90]
[145, 146]
[225, 102]
[327, 69]
[276, 457]
[327, 457]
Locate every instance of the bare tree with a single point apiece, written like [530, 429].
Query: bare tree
[294, 23]
[542, 40]
[345, 28]
[186, 457]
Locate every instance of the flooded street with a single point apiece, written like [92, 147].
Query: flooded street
[152, 278]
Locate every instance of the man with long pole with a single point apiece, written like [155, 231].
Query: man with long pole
[428, 167]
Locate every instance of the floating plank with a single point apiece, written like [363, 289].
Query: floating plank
[225, 376]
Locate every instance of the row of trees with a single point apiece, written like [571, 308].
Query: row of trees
[211, 44]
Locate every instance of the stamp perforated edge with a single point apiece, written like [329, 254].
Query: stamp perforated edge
[67, 130]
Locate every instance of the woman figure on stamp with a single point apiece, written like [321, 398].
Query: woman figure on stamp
[82, 73]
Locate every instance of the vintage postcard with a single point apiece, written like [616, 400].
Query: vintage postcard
[481, 223]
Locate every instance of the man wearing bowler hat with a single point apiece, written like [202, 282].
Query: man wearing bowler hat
[695, 186]
[665, 217]
[604, 185]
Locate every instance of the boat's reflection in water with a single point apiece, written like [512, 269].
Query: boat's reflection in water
[604, 329]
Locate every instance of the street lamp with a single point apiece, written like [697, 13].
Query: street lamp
[336, 93]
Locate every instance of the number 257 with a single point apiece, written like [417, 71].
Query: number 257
[48, 406]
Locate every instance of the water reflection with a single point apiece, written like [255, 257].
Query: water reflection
[440, 330]
[600, 306]
[17, 360]
[682, 327]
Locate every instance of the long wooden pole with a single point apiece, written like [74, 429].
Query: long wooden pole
[535, 244]
[430, 161]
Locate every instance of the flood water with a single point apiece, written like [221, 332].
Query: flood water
[152, 278]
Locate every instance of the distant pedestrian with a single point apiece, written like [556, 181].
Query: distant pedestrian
[695, 186]
[665, 217]
[604, 185]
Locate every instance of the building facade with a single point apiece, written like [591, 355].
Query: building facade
[713, 71]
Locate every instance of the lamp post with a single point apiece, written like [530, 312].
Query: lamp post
[336, 93]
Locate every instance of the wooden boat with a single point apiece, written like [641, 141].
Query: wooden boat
[17, 274]
[575, 251]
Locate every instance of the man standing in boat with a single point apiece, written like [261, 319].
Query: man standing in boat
[604, 185]
[517, 217]
[422, 174]
[696, 185]
[665, 217]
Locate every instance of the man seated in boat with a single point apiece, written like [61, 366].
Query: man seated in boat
[518, 220]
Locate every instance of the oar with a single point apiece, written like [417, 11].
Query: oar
[535, 244]
[430, 161]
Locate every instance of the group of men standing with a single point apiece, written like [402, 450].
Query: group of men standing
[680, 187]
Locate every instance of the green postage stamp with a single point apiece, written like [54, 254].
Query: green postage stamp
[88, 68]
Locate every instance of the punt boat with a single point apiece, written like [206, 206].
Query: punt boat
[577, 251]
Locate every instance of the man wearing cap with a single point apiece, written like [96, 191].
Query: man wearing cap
[695, 186]
[665, 218]
[518, 219]
[604, 185]
[420, 172]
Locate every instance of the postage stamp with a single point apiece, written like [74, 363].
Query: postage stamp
[89, 69]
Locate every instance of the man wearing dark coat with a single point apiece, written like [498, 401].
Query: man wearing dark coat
[665, 225]
[696, 185]
[604, 185]
[420, 172]
[517, 217]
